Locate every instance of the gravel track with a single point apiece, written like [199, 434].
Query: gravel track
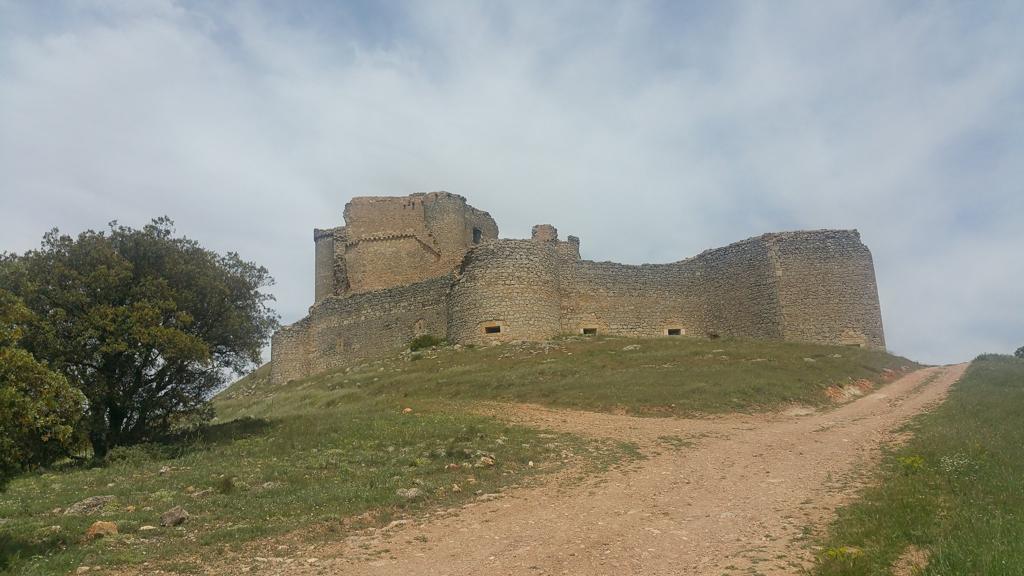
[735, 494]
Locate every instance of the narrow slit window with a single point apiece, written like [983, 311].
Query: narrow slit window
[477, 235]
[492, 329]
[675, 331]
[589, 331]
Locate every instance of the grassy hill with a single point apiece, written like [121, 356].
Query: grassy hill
[340, 450]
[661, 376]
[950, 500]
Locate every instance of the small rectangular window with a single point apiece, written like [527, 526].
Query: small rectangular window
[492, 329]
[477, 235]
[589, 331]
[675, 331]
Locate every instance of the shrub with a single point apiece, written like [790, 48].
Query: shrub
[1020, 352]
[425, 341]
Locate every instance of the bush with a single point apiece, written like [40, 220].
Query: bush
[425, 341]
[1020, 352]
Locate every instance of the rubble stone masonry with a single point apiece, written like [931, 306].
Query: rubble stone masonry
[432, 264]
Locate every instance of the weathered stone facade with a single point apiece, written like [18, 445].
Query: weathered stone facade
[430, 263]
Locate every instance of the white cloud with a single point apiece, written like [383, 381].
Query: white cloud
[650, 130]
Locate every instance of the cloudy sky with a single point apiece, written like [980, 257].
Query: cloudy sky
[652, 130]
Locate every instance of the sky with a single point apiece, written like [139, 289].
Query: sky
[651, 130]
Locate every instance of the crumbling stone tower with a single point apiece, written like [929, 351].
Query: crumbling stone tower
[391, 241]
[432, 264]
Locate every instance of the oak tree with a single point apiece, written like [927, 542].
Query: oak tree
[147, 324]
[38, 408]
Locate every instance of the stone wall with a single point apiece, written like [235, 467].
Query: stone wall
[412, 265]
[343, 330]
[626, 300]
[737, 284]
[506, 290]
[826, 288]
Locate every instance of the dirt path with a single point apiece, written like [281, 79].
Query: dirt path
[738, 500]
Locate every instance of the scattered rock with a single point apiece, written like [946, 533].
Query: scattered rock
[99, 529]
[174, 517]
[406, 410]
[82, 569]
[452, 466]
[486, 461]
[202, 493]
[89, 506]
[530, 463]
[164, 470]
[631, 347]
[809, 360]
[146, 528]
[456, 488]
[409, 493]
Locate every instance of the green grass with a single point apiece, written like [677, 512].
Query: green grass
[262, 476]
[314, 455]
[662, 376]
[955, 490]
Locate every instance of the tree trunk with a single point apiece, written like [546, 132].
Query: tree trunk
[98, 439]
[99, 432]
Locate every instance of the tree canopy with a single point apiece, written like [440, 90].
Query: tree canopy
[1020, 352]
[146, 324]
[38, 408]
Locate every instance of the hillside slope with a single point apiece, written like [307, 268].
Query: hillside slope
[399, 437]
[661, 376]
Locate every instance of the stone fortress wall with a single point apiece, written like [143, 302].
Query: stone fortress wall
[432, 264]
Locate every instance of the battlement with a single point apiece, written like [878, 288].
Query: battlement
[430, 263]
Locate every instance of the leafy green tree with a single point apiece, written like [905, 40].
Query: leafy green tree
[38, 408]
[146, 324]
[1020, 352]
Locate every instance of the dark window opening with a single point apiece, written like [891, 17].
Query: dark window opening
[477, 235]
[589, 331]
[492, 329]
[675, 331]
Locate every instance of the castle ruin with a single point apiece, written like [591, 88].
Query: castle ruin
[430, 263]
